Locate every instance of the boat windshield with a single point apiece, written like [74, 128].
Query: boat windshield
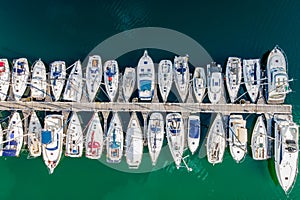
[146, 85]
[194, 131]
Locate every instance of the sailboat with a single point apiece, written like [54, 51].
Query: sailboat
[216, 141]
[93, 76]
[134, 143]
[175, 136]
[259, 140]
[214, 82]
[199, 83]
[182, 75]
[20, 75]
[155, 136]
[128, 83]
[145, 77]
[233, 77]
[114, 140]
[165, 78]
[193, 132]
[57, 78]
[278, 83]
[73, 89]
[74, 137]
[237, 137]
[286, 151]
[252, 77]
[4, 78]
[94, 139]
[38, 80]
[34, 136]
[52, 141]
[111, 78]
[14, 136]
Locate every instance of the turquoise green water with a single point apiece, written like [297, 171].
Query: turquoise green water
[68, 31]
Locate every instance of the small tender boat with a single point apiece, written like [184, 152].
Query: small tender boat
[57, 78]
[38, 80]
[34, 136]
[128, 82]
[111, 78]
[74, 137]
[182, 75]
[94, 139]
[193, 132]
[286, 151]
[4, 78]
[20, 75]
[52, 141]
[134, 143]
[145, 77]
[73, 90]
[259, 140]
[165, 78]
[278, 83]
[199, 83]
[237, 137]
[155, 136]
[93, 76]
[233, 77]
[214, 82]
[175, 136]
[216, 141]
[114, 140]
[14, 136]
[252, 76]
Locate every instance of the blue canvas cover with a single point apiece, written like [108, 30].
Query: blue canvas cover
[46, 137]
[9, 152]
[194, 129]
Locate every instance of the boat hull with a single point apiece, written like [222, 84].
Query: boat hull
[165, 78]
[38, 80]
[93, 76]
[20, 75]
[193, 133]
[233, 77]
[111, 78]
[129, 79]
[74, 137]
[199, 84]
[57, 78]
[4, 78]
[181, 76]
[34, 136]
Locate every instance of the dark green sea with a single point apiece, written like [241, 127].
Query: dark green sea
[69, 30]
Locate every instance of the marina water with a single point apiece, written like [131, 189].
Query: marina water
[70, 30]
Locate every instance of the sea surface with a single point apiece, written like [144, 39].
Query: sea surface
[69, 30]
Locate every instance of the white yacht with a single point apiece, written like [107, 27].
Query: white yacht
[278, 83]
[73, 89]
[94, 139]
[233, 77]
[145, 77]
[165, 78]
[74, 137]
[14, 136]
[34, 136]
[216, 141]
[57, 78]
[199, 83]
[4, 78]
[237, 137]
[155, 136]
[286, 151]
[128, 83]
[182, 76]
[20, 75]
[111, 78]
[175, 136]
[193, 132]
[38, 80]
[114, 140]
[214, 82]
[93, 76]
[252, 77]
[134, 143]
[52, 141]
[259, 140]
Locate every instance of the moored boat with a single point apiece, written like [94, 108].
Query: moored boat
[34, 136]
[93, 76]
[20, 76]
[155, 136]
[57, 78]
[252, 77]
[165, 78]
[182, 76]
[4, 78]
[233, 77]
[38, 80]
[145, 77]
[193, 132]
[214, 82]
[199, 83]
[128, 83]
[111, 78]
[74, 137]
[259, 140]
